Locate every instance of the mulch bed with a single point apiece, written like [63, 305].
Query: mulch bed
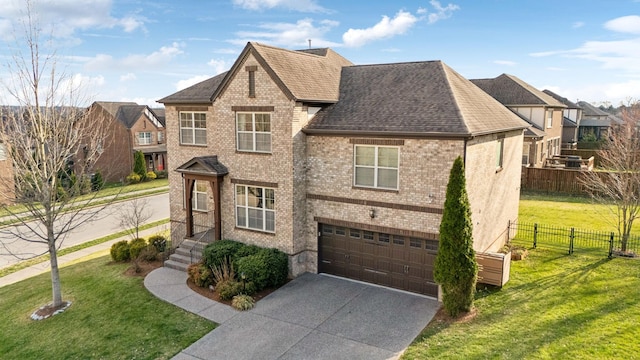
[442, 317]
[208, 293]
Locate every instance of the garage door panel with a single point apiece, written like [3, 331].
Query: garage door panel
[389, 260]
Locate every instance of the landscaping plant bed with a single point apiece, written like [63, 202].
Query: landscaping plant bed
[213, 295]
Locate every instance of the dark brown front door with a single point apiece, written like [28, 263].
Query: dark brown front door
[390, 260]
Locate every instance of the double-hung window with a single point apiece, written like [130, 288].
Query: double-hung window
[376, 166]
[255, 208]
[549, 118]
[144, 138]
[199, 198]
[193, 128]
[253, 132]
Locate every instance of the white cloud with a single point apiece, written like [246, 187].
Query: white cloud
[296, 5]
[219, 66]
[137, 61]
[505, 62]
[62, 18]
[128, 77]
[442, 12]
[625, 24]
[183, 84]
[386, 28]
[288, 34]
[577, 24]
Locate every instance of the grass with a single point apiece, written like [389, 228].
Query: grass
[112, 316]
[109, 190]
[26, 263]
[566, 211]
[555, 305]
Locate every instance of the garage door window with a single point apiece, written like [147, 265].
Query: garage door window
[398, 240]
[354, 233]
[376, 167]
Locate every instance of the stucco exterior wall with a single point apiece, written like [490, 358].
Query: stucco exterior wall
[494, 194]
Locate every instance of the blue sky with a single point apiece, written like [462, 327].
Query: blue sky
[144, 50]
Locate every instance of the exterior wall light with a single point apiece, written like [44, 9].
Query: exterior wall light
[372, 213]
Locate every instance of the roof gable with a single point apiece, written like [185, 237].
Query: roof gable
[208, 165]
[419, 98]
[200, 93]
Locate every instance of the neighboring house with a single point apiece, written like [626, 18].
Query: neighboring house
[596, 122]
[572, 116]
[7, 181]
[131, 127]
[342, 167]
[541, 111]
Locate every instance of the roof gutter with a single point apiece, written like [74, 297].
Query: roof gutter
[406, 134]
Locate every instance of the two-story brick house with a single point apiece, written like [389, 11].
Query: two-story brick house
[131, 127]
[543, 138]
[342, 167]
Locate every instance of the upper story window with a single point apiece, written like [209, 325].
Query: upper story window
[193, 128]
[253, 132]
[376, 166]
[549, 118]
[255, 208]
[144, 138]
[199, 198]
[3, 152]
[500, 153]
[160, 137]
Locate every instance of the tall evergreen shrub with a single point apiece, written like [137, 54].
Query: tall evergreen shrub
[139, 166]
[455, 267]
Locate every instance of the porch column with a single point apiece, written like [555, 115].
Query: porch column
[189, 194]
[216, 200]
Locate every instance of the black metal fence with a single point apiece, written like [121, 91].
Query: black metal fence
[570, 239]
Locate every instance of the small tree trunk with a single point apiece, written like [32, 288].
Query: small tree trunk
[55, 275]
[623, 245]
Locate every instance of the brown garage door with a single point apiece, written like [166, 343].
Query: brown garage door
[390, 260]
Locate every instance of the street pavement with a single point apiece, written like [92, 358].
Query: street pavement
[106, 223]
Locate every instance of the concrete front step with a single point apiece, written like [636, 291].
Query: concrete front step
[197, 254]
[182, 258]
[176, 265]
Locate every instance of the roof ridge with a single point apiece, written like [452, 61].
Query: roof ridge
[297, 52]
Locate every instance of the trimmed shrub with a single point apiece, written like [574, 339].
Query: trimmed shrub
[200, 274]
[159, 242]
[149, 253]
[243, 302]
[267, 268]
[133, 178]
[215, 253]
[135, 247]
[161, 174]
[246, 250]
[120, 251]
[97, 181]
[151, 175]
[228, 289]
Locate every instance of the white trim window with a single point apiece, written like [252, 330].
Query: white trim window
[376, 166]
[144, 138]
[549, 118]
[253, 132]
[193, 128]
[255, 208]
[500, 153]
[199, 198]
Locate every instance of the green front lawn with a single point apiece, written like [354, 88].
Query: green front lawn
[555, 306]
[112, 317]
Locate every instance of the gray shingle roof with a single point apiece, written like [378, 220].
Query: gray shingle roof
[569, 104]
[512, 91]
[419, 98]
[204, 164]
[112, 107]
[592, 114]
[199, 93]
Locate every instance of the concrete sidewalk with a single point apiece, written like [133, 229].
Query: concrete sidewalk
[44, 267]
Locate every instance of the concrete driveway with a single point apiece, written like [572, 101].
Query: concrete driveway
[319, 317]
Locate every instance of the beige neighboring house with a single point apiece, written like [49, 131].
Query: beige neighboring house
[543, 138]
[131, 128]
[342, 167]
[572, 117]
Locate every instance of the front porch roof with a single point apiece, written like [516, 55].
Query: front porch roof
[153, 149]
[203, 165]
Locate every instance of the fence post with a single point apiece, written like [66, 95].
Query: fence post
[535, 235]
[611, 245]
[571, 237]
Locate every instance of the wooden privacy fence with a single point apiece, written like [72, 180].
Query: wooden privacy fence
[552, 180]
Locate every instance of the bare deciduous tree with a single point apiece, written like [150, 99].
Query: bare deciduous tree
[133, 215]
[619, 185]
[51, 145]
